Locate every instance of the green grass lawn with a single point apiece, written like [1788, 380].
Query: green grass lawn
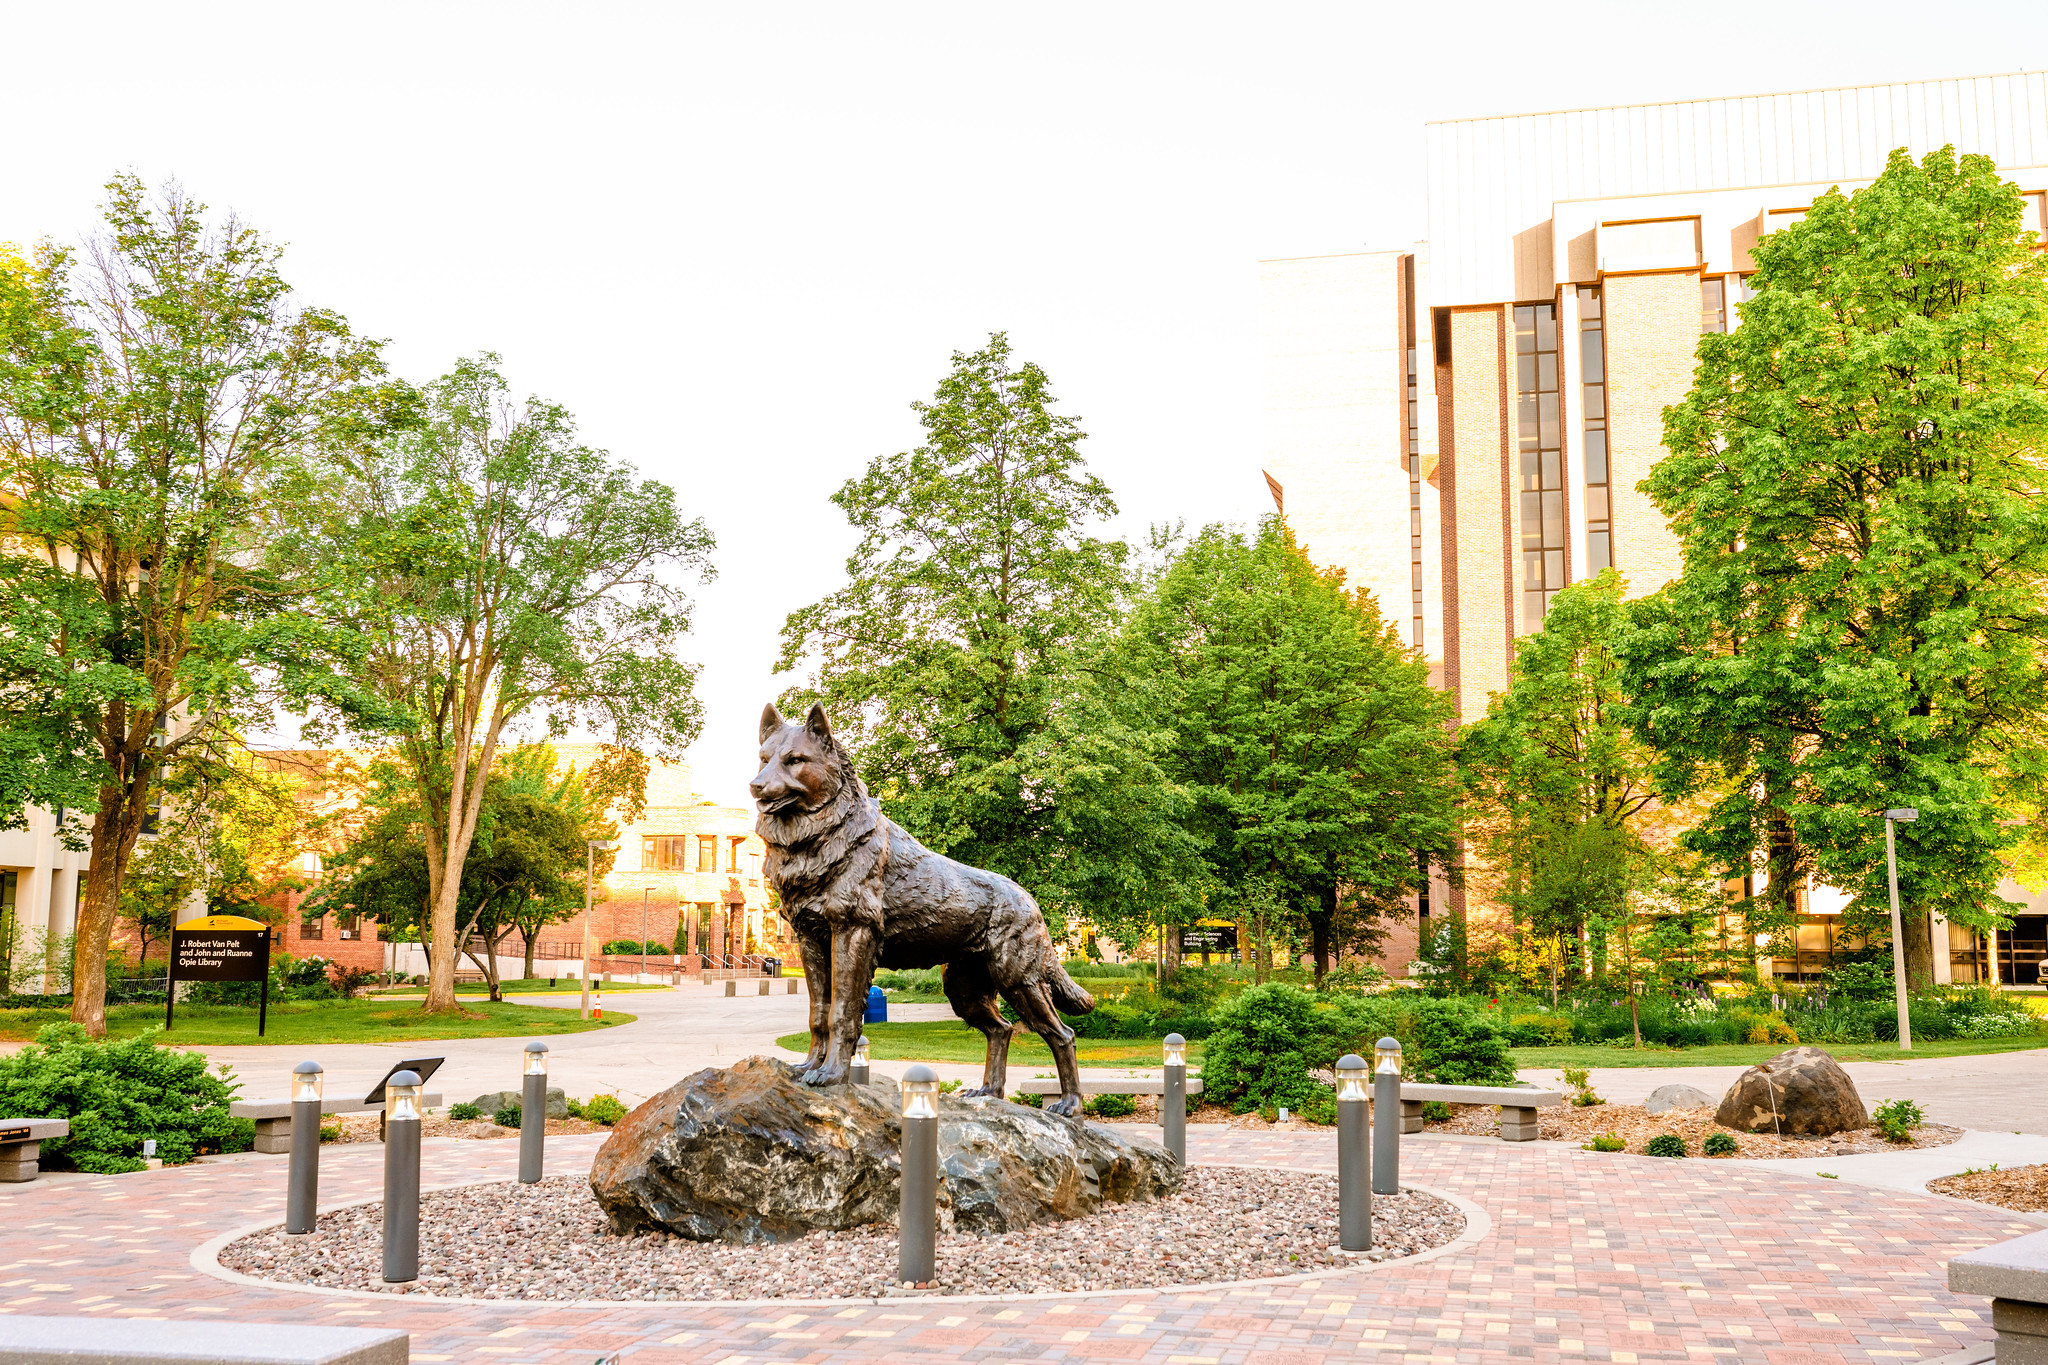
[326, 1021]
[951, 1041]
[1749, 1054]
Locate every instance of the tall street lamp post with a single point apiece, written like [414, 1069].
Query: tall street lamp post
[590, 848]
[1891, 867]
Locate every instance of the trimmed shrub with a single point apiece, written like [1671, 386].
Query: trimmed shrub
[1435, 1111]
[118, 1095]
[633, 947]
[1542, 1030]
[1665, 1144]
[604, 1109]
[464, 1112]
[1110, 1106]
[1718, 1144]
[1606, 1142]
[1033, 1100]
[507, 1117]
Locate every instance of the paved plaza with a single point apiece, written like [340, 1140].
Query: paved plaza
[1570, 1256]
[1587, 1257]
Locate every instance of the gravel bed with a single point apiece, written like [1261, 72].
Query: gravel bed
[548, 1241]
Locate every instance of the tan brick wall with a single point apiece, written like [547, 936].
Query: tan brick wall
[1653, 328]
[1477, 500]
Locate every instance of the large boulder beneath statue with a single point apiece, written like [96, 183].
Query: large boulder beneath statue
[748, 1154]
[1803, 1091]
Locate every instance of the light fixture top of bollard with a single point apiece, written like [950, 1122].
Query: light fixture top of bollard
[1351, 1071]
[402, 1097]
[1386, 1055]
[860, 1051]
[1175, 1048]
[536, 1058]
[306, 1082]
[920, 1092]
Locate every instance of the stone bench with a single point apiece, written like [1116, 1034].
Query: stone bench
[21, 1146]
[1518, 1105]
[2014, 1276]
[274, 1117]
[123, 1341]
[1129, 1085]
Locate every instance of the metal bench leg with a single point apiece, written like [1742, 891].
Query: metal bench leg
[1411, 1116]
[274, 1135]
[19, 1162]
[1518, 1124]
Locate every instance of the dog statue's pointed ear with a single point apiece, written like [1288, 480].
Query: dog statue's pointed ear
[771, 721]
[816, 723]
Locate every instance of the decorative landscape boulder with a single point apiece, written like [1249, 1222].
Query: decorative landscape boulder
[747, 1154]
[558, 1102]
[1802, 1090]
[1668, 1097]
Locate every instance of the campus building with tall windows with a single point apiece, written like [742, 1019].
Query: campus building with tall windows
[1462, 423]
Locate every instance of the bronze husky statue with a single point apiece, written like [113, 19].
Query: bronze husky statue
[860, 893]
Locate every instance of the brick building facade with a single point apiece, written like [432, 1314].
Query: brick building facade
[1503, 383]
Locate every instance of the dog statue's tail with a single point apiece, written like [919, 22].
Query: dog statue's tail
[1066, 993]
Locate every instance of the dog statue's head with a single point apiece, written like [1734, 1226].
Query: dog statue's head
[802, 770]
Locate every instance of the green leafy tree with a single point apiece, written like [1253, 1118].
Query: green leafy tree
[954, 662]
[1855, 478]
[1315, 755]
[228, 839]
[499, 571]
[525, 867]
[153, 400]
[1560, 795]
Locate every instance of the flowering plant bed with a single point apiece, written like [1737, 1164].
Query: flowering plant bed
[1636, 1126]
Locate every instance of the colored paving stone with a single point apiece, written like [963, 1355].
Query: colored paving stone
[1589, 1257]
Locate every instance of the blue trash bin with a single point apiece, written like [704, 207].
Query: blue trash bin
[878, 1007]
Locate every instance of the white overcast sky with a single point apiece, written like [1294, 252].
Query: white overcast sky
[738, 240]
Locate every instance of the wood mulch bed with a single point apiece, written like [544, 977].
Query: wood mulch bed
[363, 1127]
[2021, 1188]
[1636, 1126]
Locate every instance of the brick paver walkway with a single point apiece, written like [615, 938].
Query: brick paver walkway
[1592, 1257]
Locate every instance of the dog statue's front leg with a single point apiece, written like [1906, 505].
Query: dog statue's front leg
[854, 950]
[816, 954]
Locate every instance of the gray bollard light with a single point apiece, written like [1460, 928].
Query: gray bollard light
[918, 1222]
[1354, 1179]
[859, 1073]
[533, 1112]
[402, 1178]
[1173, 1105]
[302, 1182]
[1386, 1117]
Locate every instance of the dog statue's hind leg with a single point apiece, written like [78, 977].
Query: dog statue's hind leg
[973, 997]
[1034, 1003]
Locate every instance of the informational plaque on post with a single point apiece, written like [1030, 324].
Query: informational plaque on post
[1208, 938]
[221, 948]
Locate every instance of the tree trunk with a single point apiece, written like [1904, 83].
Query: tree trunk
[1319, 925]
[529, 956]
[114, 832]
[1919, 925]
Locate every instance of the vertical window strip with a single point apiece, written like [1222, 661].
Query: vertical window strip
[1713, 304]
[1540, 449]
[1593, 436]
[1414, 467]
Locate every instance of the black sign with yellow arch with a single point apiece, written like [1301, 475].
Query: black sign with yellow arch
[221, 948]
